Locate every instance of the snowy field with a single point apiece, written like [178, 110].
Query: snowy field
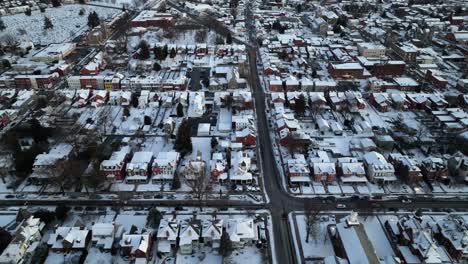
[68, 24]
[118, 3]
[319, 245]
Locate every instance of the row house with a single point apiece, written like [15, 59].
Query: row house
[297, 170]
[27, 236]
[294, 139]
[189, 236]
[434, 169]
[406, 84]
[218, 167]
[152, 18]
[406, 167]
[380, 101]
[95, 65]
[99, 97]
[337, 100]
[242, 99]
[346, 70]
[407, 52]
[45, 165]
[164, 166]
[138, 169]
[247, 136]
[324, 171]
[452, 234]
[436, 78]
[137, 245]
[378, 168]
[114, 168]
[192, 233]
[36, 81]
[351, 171]
[69, 239]
[389, 68]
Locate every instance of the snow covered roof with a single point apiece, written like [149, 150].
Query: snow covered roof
[241, 229]
[168, 229]
[58, 152]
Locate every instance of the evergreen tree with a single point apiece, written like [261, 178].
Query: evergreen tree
[126, 112]
[42, 9]
[229, 38]
[47, 23]
[56, 3]
[175, 183]
[299, 8]
[173, 53]
[156, 66]
[225, 244]
[300, 105]
[180, 110]
[28, 12]
[154, 218]
[82, 2]
[61, 212]
[165, 52]
[183, 142]
[93, 20]
[6, 64]
[5, 239]
[82, 11]
[2, 25]
[144, 50]
[159, 53]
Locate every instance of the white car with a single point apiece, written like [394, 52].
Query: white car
[341, 206]
[406, 201]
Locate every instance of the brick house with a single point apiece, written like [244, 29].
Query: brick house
[115, 166]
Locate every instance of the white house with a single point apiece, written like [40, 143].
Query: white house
[28, 235]
[241, 231]
[212, 232]
[240, 168]
[167, 235]
[103, 235]
[190, 232]
[378, 168]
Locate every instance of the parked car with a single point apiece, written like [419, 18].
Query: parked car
[341, 206]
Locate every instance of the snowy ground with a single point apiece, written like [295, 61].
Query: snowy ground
[68, 24]
[319, 245]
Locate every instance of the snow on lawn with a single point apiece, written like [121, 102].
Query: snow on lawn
[319, 245]
[67, 23]
[95, 256]
[127, 220]
[6, 219]
[376, 234]
[117, 3]
[202, 255]
[248, 255]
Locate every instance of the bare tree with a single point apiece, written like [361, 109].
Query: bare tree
[315, 109]
[201, 35]
[10, 41]
[200, 187]
[312, 225]
[57, 175]
[4, 173]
